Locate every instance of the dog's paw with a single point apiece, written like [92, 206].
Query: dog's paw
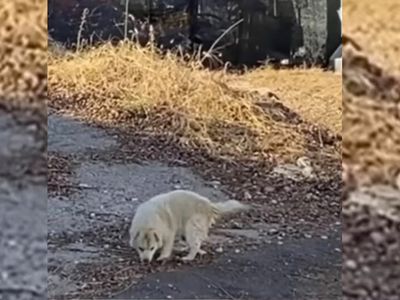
[181, 249]
[187, 258]
[163, 258]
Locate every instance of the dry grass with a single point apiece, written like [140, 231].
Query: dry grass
[375, 25]
[314, 94]
[23, 49]
[173, 97]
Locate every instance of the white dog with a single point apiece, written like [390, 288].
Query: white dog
[163, 218]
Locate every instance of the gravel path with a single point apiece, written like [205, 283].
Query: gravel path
[371, 243]
[23, 201]
[301, 269]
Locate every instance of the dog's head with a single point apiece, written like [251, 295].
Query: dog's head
[146, 242]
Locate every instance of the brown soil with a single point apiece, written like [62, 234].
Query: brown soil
[59, 168]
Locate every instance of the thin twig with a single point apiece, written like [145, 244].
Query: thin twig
[72, 186]
[321, 141]
[82, 250]
[208, 54]
[129, 286]
[216, 286]
[81, 28]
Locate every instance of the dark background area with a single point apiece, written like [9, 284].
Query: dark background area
[302, 30]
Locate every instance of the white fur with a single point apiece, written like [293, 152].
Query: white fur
[158, 221]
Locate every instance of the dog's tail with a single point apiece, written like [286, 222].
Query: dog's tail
[228, 207]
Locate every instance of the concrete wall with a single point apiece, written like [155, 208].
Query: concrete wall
[313, 20]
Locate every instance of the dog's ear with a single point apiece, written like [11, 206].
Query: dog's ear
[156, 237]
[133, 240]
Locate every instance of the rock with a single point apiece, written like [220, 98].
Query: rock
[273, 231]
[4, 275]
[346, 238]
[32, 128]
[237, 225]
[307, 172]
[215, 183]
[219, 250]
[268, 189]
[180, 162]
[12, 243]
[377, 237]
[350, 264]
[247, 195]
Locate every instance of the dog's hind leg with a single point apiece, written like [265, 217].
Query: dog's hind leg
[196, 232]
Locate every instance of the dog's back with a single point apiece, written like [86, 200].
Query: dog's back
[181, 205]
[176, 206]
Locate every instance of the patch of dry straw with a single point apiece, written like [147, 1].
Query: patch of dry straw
[175, 97]
[375, 25]
[23, 50]
[314, 94]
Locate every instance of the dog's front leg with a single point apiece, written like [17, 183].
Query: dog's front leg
[167, 249]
